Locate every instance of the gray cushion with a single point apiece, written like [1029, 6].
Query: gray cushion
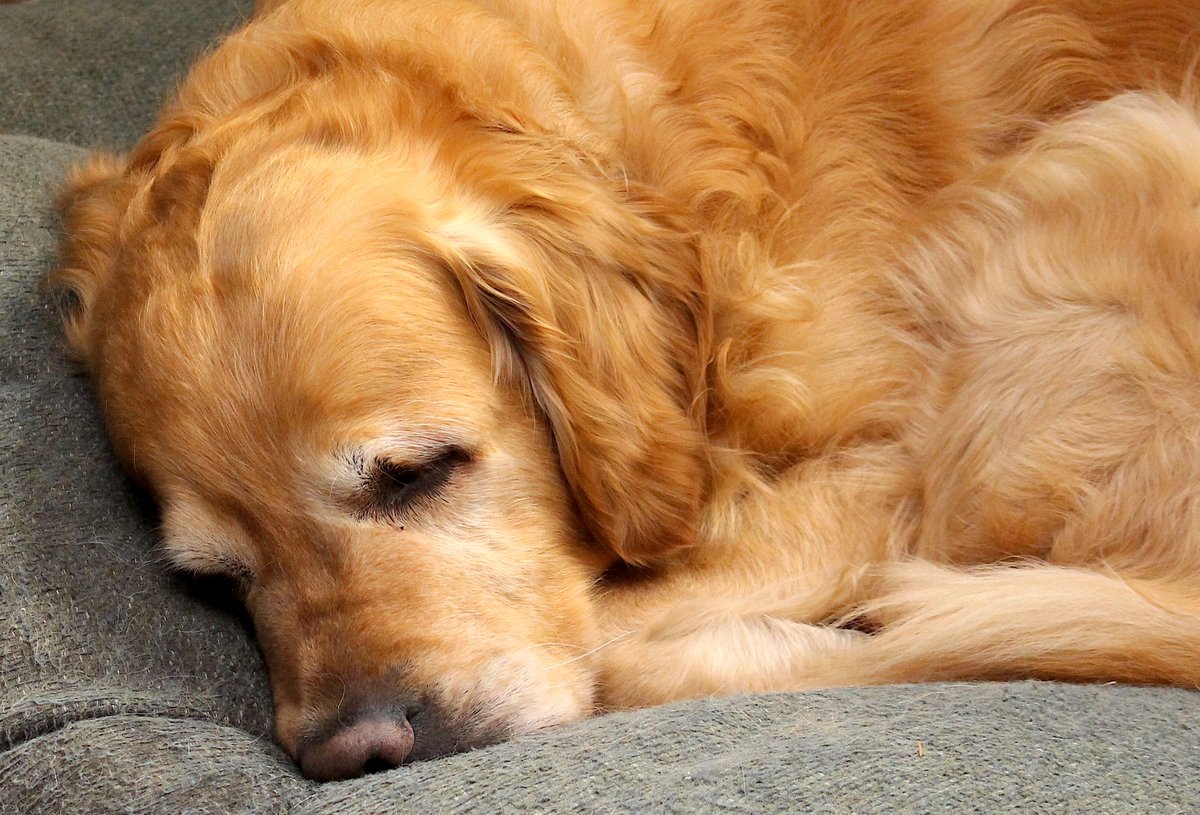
[987, 748]
[90, 625]
[93, 72]
[123, 689]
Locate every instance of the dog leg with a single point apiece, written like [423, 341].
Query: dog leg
[933, 623]
[682, 656]
[942, 623]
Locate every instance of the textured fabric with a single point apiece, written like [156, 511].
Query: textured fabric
[968, 748]
[145, 764]
[93, 72]
[90, 625]
[123, 689]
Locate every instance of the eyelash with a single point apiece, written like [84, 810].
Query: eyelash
[392, 491]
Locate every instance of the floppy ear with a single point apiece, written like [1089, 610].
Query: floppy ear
[594, 293]
[91, 203]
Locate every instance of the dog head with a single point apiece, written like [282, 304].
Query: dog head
[413, 375]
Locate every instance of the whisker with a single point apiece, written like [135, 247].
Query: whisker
[598, 648]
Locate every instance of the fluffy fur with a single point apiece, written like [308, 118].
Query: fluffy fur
[524, 358]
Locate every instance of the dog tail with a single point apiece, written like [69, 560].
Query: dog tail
[935, 623]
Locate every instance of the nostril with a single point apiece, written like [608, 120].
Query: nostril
[377, 764]
[365, 746]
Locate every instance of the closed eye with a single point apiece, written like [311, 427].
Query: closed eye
[393, 490]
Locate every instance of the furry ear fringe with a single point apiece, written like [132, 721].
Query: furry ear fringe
[600, 300]
[90, 203]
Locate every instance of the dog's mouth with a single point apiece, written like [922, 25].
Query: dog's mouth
[371, 726]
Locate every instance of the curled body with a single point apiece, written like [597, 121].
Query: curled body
[521, 359]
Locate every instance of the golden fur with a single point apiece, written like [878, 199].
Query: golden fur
[715, 346]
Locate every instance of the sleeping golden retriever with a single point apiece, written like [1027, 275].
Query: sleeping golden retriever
[527, 358]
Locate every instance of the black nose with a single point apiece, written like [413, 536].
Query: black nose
[370, 743]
